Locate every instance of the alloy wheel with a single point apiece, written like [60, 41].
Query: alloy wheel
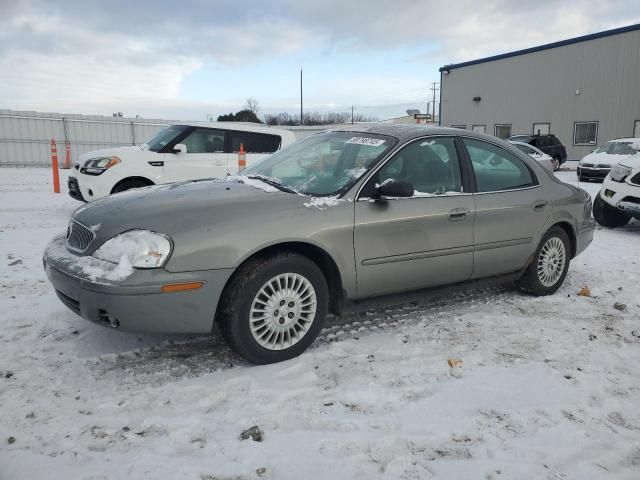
[551, 261]
[282, 311]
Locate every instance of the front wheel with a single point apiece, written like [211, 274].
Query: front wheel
[274, 307]
[609, 216]
[549, 266]
[555, 161]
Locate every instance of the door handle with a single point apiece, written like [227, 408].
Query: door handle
[540, 206]
[458, 214]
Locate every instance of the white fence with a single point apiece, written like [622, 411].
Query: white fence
[25, 137]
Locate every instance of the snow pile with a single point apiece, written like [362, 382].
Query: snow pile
[322, 203]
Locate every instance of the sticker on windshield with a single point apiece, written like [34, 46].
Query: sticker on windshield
[374, 142]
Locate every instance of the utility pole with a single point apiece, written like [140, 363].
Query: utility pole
[434, 89]
[301, 120]
[351, 114]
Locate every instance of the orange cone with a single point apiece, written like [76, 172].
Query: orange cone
[54, 167]
[67, 157]
[242, 158]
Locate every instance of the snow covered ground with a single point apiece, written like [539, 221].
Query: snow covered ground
[550, 387]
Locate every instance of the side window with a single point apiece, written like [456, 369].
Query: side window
[205, 140]
[254, 142]
[430, 165]
[496, 169]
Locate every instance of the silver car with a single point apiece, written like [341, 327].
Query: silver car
[339, 216]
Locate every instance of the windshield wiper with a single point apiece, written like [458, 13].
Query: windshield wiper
[272, 182]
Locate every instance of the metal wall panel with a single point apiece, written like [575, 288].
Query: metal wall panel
[596, 80]
[25, 136]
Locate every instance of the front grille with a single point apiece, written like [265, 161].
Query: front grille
[635, 179]
[79, 237]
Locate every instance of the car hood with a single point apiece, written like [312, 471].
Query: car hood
[179, 209]
[603, 158]
[632, 161]
[107, 152]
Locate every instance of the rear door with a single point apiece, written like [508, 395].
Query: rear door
[205, 156]
[256, 146]
[510, 209]
[426, 240]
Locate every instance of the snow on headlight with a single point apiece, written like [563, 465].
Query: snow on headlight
[139, 248]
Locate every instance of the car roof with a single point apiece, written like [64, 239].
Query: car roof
[404, 132]
[238, 126]
[628, 139]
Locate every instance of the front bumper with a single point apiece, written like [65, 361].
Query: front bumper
[136, 303]
[74, 189]
[592, 173]
[622, 195]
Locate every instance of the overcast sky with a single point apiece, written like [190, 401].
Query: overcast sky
[185, 59]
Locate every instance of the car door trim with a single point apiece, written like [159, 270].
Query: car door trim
[417, 255]
[481, 247]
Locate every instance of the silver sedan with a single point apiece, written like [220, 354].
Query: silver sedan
[342, 215]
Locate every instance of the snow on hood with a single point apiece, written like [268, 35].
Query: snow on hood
[603, 158]
[632, 161]
[322, 203]
[253, 182]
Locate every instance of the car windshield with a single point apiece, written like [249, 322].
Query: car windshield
[617, 148]
[323, 164]
[163, 137]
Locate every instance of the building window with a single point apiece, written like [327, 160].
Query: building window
[502, 131]
[479, 128]
[463, 127]
[585, 133]
[541, 128]
[636, 129]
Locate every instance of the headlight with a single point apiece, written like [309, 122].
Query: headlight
[141, 248]
[97, 166]
[619, 173]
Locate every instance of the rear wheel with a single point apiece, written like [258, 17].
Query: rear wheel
[274, 307]
[129, 183]
[549, 266]
[609, 216]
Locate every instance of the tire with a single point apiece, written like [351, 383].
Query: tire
[609, 216]
[556, 163]
[550, 264]
[129, 183]
[258, 283]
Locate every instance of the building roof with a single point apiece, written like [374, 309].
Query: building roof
[548, 46]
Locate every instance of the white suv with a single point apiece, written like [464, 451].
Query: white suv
[619, 199]
[185, 151]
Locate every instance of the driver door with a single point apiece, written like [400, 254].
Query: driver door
[423, 241]
[205, 157]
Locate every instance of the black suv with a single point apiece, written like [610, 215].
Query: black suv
[549, 144]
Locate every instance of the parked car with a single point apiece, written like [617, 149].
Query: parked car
[186, 151]
[549, 144]
[342, 215]
[538, 155]
[619, 199]
[598, 163]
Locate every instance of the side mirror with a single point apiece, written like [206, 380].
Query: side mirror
[393, 188]
[179, 148]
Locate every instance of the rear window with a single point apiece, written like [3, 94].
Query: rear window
[253, 142]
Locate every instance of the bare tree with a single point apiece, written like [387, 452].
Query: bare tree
[252, 105]
[316, 118]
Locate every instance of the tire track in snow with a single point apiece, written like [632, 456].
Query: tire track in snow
[176, 360]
